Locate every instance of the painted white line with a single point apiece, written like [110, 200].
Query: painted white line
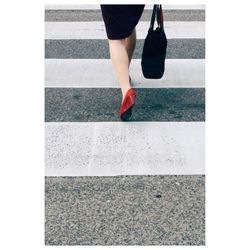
[96, 30]
[96, 6]
[99, 73]
[116, 148]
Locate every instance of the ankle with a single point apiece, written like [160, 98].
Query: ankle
[124, 92]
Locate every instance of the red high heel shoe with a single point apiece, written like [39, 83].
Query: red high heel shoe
[127, 104]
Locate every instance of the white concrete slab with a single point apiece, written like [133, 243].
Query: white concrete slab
[117, 148]
[96, 73]
[96, 30]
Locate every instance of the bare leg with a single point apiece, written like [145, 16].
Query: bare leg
[130, 43]
[121, 53]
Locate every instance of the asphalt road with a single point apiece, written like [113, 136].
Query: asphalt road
[125, 210]
[88, 48]
[102, 104]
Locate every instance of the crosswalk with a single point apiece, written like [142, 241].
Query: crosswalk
[81, 73]
[113, 183]
[96, 30]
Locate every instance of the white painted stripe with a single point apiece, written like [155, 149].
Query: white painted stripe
[96, 30]
[99, 73]
[96, 6]
[116, 148]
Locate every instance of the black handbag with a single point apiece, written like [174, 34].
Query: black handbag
[155, 47]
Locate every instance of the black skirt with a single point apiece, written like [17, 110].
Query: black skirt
[120, 20]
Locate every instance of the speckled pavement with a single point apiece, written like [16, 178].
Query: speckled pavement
[131, 148]
[102, 104]
[95, 15]
[98, 48]
[125, 210]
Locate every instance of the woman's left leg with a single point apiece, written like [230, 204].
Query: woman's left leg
[121, 52]
[130, 43]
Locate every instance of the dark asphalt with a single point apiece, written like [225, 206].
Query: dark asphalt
[125, 210]
[98, 48]
[102, 104]
[95, 15]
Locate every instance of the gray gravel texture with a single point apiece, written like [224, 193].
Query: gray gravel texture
[103, 104]
[98, 49]
[96, 15]
[125, 210]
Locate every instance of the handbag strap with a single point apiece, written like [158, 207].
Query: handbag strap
[157, 12]
[160, 16]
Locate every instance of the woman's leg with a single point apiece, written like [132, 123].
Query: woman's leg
[121, 53]
[130, 43]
